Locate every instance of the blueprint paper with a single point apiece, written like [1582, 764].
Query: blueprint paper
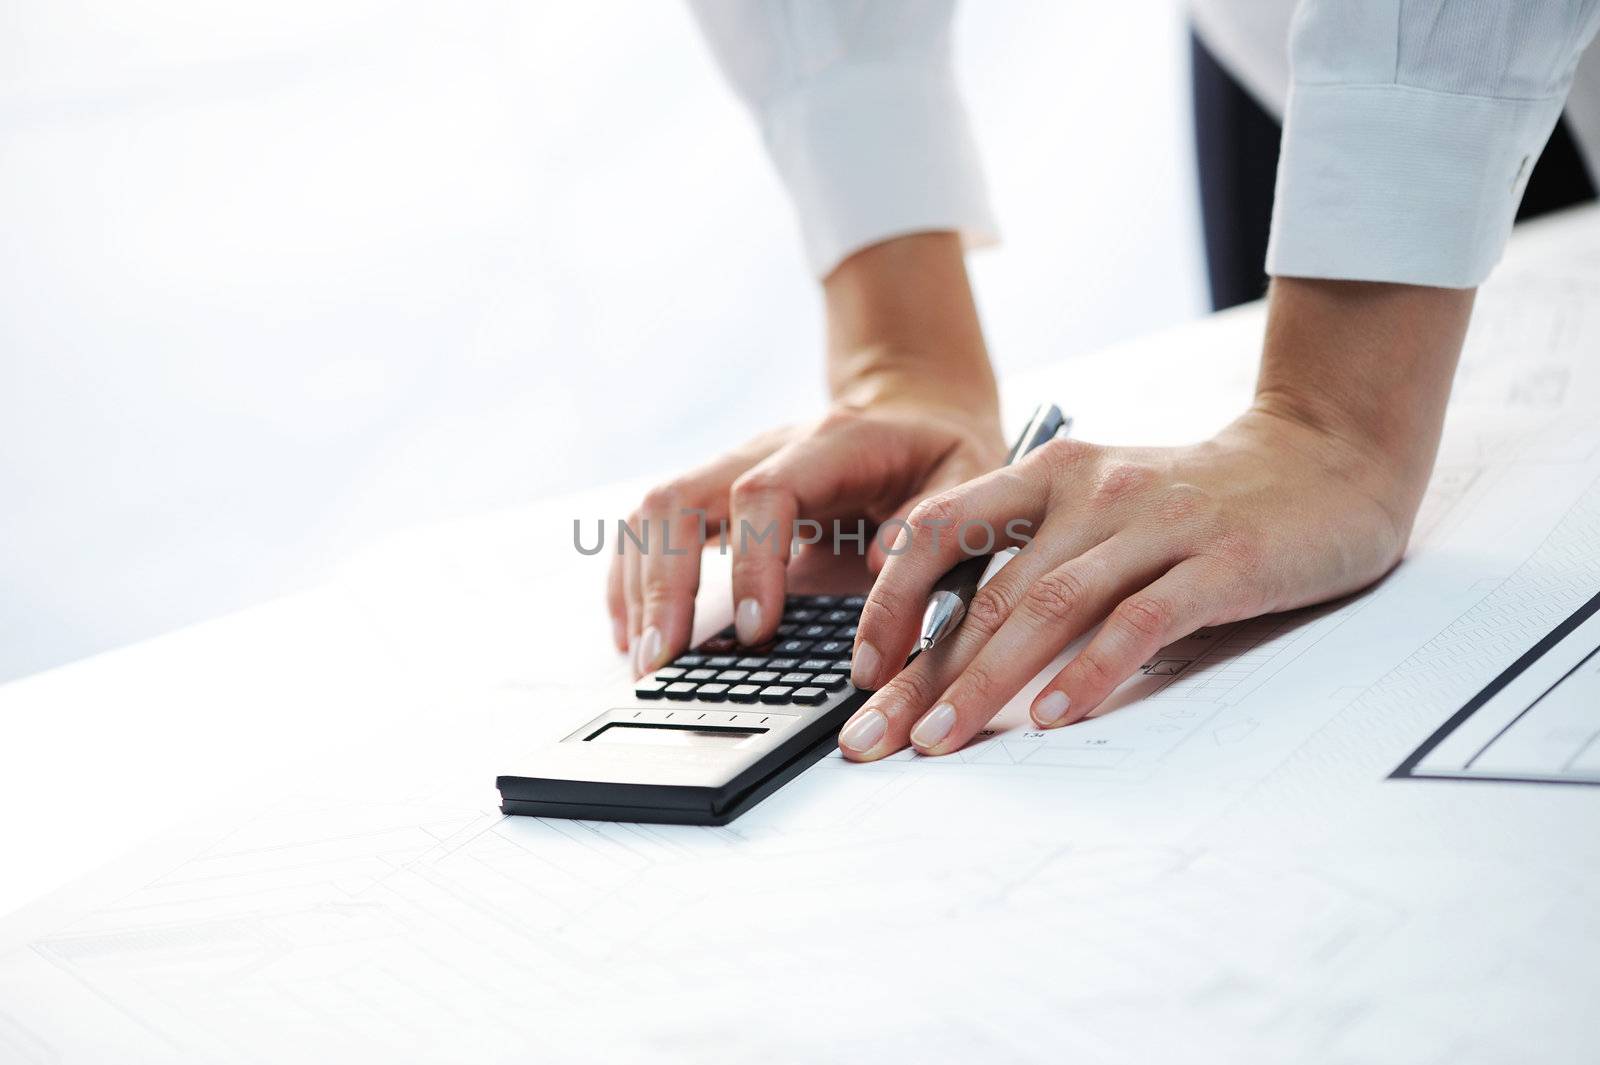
[1218, 868]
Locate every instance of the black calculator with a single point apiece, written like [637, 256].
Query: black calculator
[709, 735]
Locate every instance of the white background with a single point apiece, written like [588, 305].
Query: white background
[276, 279]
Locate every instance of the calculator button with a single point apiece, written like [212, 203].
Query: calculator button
[776, 693]
[788, 628]
[840, 617]
[816, 665]
[670, 673]
[711, 693]
[832, 647]
[782, 664]
[842, 666]
[824, 601]
[680, 690]
[795, 678]
[765, 676]
[831, 681]
[799, 615]
[809, 696]
[853, 602]
[751, 663]
[690, 661]
[743, 693]
[844, 632]
[815, 632]
[649, 689]
[721, 661]
[700, 674]
[792, 647]
[733, 676]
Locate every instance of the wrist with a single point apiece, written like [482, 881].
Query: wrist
[918, 381]
[1365, 366]
[903, 329]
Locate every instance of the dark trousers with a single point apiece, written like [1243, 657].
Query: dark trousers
[1236, 147]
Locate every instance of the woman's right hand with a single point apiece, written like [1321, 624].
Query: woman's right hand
[869, 462]
[914, 411]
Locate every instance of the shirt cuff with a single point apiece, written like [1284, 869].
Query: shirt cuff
[873, 151]
[1393, 183]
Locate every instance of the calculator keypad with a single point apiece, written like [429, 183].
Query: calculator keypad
[807, 662]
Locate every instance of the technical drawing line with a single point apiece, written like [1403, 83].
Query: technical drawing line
[1408, 768]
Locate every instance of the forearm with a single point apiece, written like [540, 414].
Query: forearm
[1368, 365]
[902, 325]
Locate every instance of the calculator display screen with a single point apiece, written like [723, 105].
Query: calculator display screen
[675, 735]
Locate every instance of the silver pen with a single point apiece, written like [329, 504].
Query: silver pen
[947, 604]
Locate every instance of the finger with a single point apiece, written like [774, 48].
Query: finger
[1185, 598]
[762, 509]
[629, 537]
[883, 724]
[617, 603]
[819, 476]
[848, 465]
[669, 573]
[652, 578]
[1050, 613]
[981, 516]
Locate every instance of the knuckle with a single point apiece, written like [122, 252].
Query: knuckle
[755, 482]
[1094, 670]
[1183, 504]
[1146, 616]
[1119, 481]
[839, 419]
[912, 690]
[1055, 594]
[749, 563]
[1237, 551]
[1060, 456]
[934, 512]
[989, 609]
[977, 679]
[877, 615]
[657, 592]
[662, 499]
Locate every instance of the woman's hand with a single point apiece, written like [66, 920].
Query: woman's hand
[1307, 496]
[856, 464]
[914, 412]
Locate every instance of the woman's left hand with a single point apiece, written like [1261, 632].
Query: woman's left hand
[1307, 496]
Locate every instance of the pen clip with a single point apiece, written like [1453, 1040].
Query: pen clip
[1046, 423]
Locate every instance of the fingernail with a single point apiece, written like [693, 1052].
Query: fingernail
[864, 667]
[649, 653]
[747, 621]
[862, 732]
[1052, 708]
[934, 726]
[619, 633]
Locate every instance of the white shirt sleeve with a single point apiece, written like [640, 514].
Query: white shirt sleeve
[858, 106]
[1411, 128]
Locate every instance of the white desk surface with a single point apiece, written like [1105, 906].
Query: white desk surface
[1308, 908]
